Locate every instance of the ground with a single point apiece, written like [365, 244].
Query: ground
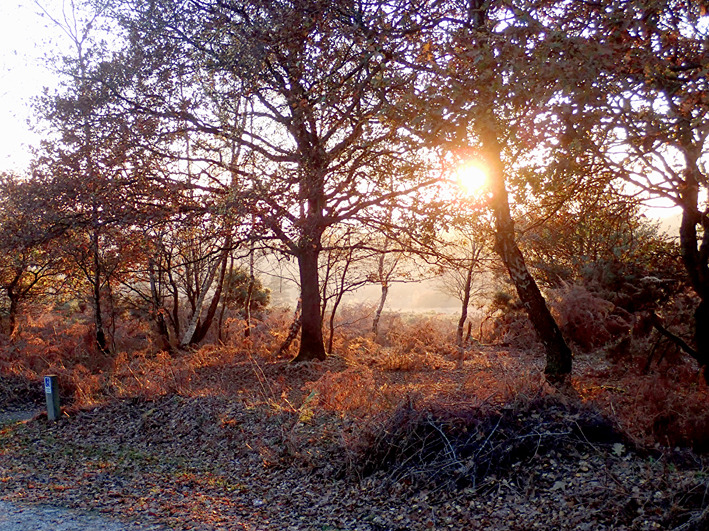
[385, 443]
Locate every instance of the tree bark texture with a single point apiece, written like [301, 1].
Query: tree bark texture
[101, 341]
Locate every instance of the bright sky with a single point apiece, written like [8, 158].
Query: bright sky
[25, 39]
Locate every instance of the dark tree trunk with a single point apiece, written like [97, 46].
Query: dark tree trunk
[249, 294]
[558, 354]
[695, 255]
[311, 338]
[14, 309]
[175, 314]
[101, 342]
[464, 313]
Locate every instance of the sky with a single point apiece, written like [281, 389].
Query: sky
[25, 40]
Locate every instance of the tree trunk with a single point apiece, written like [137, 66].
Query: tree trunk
[158, 316]
[249, 293]
[380, 309]
[14, 310]
[558, 354]
[464, 313]
[203, 327]
[101, 342]
[198, 305]
[695, 263]
[385, 286]
[311, 338]
[335, 305]
[695, 256]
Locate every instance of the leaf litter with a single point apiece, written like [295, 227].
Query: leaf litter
[277, 458]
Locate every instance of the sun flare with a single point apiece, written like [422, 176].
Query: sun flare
[472, 178]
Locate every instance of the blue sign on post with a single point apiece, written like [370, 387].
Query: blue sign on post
[51, 392]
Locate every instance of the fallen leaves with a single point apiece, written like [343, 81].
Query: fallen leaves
[198, 463]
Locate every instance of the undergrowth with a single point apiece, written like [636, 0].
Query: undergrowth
[655, 397]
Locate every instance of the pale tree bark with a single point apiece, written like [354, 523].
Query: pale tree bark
[292, 330]
[380, 307]
[199, 303]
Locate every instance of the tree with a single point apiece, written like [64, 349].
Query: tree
[485, 76]
[602, 238]
[306, 81]
[342, 253]
[94, 175]
[462, 258]
[648, 102]
[29, 257]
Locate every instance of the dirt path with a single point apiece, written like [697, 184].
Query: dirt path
[39, 518]
[15, 517]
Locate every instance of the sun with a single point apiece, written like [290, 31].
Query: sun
[472, 178]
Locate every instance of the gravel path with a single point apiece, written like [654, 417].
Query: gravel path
[40, 518]
[15, 517]
[17, 415]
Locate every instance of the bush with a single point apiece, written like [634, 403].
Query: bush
[462, 447]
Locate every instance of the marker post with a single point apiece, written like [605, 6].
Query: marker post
[51, 391]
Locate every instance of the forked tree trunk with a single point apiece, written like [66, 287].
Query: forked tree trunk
[204, 325]
[558, 353]
[312, 346]
[198, 305]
